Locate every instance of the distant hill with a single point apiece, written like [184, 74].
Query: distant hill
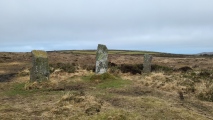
[206, 53]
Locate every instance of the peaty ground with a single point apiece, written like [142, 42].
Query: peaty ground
[171, 91]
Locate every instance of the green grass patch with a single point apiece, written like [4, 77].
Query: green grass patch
[99, 77]
[106, 80]
[104, 76]
[19, 89]
[113, 83]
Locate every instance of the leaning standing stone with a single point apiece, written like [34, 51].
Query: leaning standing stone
[147, 63]
[40, 70]
[101, 59]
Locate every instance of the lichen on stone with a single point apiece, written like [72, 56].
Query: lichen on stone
[39, 53]
[147, 63]
[101, 59]
[40, 69]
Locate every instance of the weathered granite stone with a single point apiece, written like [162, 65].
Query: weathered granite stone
[101, 59]
[147, 63]
[40, 70]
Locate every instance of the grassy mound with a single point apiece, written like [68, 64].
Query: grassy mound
[106, 80]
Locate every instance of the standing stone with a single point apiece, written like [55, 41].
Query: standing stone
[147, 63]
[101, 59]
[40, 70]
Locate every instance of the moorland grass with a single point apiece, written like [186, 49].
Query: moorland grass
[106, 80]
[19, 89]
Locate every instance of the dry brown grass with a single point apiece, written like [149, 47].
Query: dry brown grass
[177, 82]
[71, 96]
[133, 101]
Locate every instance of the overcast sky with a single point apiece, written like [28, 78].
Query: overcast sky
[173, 26]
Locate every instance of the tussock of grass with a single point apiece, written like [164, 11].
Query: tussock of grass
[73, 96]
[40, 85]
[73, 105]
[206, 95]
[191, 83]
[25, 72]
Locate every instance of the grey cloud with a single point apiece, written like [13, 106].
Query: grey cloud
[160, 25]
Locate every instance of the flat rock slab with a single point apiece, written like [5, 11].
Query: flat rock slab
[101, 59]
[40, 70]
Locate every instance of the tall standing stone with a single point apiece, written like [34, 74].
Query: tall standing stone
[40, 70]
[147, 63]
[101, 59]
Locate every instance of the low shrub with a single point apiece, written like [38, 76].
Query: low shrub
[185, 69]
[66, 67]
[156, 67]
[111, 64]
[133, 69]
[39, 85]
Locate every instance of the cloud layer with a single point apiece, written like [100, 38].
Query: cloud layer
[178, 26]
